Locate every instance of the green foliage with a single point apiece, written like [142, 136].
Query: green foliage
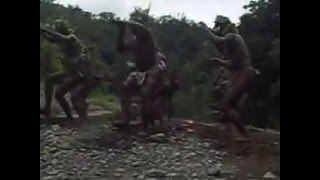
[107, 102]
[48, 59]
[261, 30]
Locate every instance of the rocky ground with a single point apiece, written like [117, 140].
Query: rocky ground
[93, 152]
[74, 154]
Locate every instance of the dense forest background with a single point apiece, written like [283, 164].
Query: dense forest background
[183, 41]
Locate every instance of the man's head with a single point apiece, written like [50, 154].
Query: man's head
[62, 27]
[141, 18]
[223, 26]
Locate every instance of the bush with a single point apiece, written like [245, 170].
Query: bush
[48, 59]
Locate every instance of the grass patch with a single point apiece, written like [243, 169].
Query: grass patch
[106, 102]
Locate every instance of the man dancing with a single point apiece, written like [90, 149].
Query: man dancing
[226, 36]
[77, 77]
[147, 78]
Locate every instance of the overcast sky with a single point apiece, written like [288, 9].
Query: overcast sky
[197, 10]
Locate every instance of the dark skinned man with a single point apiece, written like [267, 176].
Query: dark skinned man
[225, 36]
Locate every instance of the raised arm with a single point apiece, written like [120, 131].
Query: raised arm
[141, 32]
[221, 62]
[123, 46]
[53, 36]
[215, 38]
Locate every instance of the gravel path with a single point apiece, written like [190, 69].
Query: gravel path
[93, 152]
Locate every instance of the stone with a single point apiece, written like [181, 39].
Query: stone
[135, 164]
[194, 175]
[65, 146]
[206, 145]
[53, 172]
[54, 161]
[57, 154]
[98, 173]
[62, 176]
[190, 155]
[103, 162]
[214, 171]
[53, 149]
[120, 170]
[44, 165]
[84, 169]
[48, 178]
[172, 175]
[156, 173]
[269, 175]
[159, 138]
[56, 127]
[141, 176]
[197, 165]
[116, 174]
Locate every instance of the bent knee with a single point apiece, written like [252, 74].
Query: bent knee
[59, 95]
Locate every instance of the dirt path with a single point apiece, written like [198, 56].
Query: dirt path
[93, 151]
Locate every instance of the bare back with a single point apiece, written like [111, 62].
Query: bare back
[140, 45]
[144, 53]
[236, 51]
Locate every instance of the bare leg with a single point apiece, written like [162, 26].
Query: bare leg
[234, 116]
[145, 119]
[159, 107]
[231, 99]
[79, 95]
[78, 99]
[125, 104]
[148, 110]
[128, 89]
[50, 82]
[68, 84]
[242, 107]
